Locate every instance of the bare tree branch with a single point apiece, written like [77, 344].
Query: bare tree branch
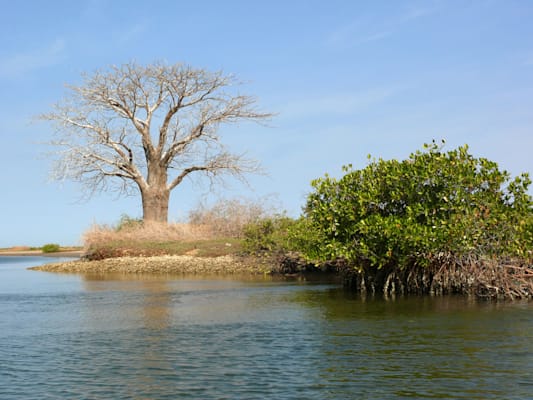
[147, 128]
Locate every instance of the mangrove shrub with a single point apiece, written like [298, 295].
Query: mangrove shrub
[50, 248]
[268, 235]
[407, 213]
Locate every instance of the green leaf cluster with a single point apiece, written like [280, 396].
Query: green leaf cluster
[126, 222]
[51, 248]
[399, 213]
[268, 235]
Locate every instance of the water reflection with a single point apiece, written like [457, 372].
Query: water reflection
[464, 348]
[167, 337]
[233, 336]
[154, 304]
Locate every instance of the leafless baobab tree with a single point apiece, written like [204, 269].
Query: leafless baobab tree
[147, 128]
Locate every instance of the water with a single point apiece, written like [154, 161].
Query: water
[117, 337]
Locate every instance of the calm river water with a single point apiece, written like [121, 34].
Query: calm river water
[117, 337]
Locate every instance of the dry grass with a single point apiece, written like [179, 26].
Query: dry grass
[227, 218]
[156, 239]
[209, 231]
[153, 232]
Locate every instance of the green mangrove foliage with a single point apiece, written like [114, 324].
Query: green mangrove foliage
[50, 248]
[407, 213]
[268, 235]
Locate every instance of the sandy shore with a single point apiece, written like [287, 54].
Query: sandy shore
[160, 264]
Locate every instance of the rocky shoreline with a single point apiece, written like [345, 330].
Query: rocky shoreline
[181, 264]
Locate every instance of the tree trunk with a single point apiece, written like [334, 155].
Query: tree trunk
[155, 194]
[155, 204]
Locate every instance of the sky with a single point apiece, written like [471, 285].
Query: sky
[344, 78]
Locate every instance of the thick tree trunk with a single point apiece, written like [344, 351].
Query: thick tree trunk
[155, 204]
[155, 194]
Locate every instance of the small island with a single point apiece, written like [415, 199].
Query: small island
[436, 223]
[439, 222]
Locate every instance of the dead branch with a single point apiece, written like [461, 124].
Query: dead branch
[149, 127]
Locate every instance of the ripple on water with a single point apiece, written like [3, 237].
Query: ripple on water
[208, 339]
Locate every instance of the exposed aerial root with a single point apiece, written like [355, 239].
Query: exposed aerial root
[482, 278]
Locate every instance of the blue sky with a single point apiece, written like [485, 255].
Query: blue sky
[346, 78]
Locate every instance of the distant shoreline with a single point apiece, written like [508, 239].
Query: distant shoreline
[39, 253]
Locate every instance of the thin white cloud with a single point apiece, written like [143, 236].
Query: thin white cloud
[529, 60]
[353, 34]
[339, 104]
[23, 63]
[372, 28]
[94, 8]
[415, 13]
[375, 36]
[132, 32]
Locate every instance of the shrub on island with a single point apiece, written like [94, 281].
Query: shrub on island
[436, 222]
[50, 248]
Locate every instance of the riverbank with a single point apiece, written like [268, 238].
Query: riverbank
[167, 264]
[488, 280]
